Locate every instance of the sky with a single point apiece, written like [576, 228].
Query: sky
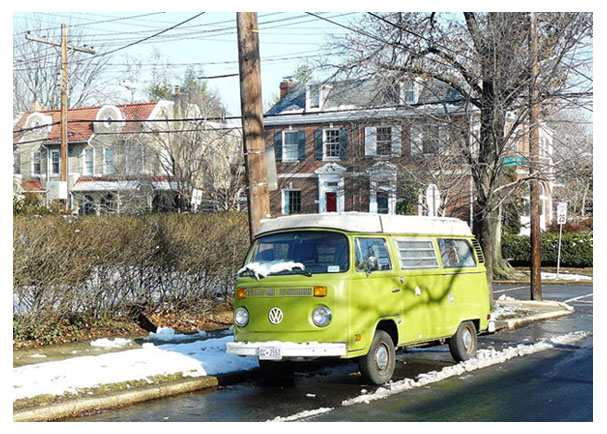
[208, 41]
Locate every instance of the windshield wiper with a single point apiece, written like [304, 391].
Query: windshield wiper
[251, 273]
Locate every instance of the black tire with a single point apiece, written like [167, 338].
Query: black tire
[377, 366]
[463, 343]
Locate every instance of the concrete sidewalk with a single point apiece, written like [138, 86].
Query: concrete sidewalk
[523, 312]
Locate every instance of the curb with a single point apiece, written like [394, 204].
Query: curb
[78, 406]
[562, 309]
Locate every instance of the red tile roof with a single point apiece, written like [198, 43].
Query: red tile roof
[32, 186]
[82, 131]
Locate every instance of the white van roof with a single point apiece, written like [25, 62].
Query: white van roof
[369, 223]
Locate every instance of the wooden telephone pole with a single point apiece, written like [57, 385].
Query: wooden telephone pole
[64, 70]
[534, 166]
[258, 198]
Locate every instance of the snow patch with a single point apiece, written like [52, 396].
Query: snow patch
[263, 269]
[167, 334]
[564, 276]
[195, 359]
[108, 343]
[302, 415]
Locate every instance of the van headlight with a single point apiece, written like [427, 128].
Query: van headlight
[321, 316]
[241, 317]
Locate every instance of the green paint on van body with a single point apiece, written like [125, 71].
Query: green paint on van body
[424, 304]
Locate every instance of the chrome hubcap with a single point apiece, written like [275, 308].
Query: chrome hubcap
[467, 339]
[381, 358]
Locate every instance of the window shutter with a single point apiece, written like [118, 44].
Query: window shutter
[278, 145]
[417, 147]
[343, 143]
[370, 141]
[301, 145]
[318, 144]
[396, 145]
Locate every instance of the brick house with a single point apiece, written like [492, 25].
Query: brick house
[119, 158]
[362, 145]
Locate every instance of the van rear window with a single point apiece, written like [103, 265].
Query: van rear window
[416, 253]
[456, 253]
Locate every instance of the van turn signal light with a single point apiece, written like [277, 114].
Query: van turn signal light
[320, 291]
[241, 293]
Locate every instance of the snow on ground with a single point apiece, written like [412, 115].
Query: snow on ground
[565, 276]
[195, 359]
[111, 343]
[167, 334]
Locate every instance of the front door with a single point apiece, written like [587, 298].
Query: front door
[331, 201]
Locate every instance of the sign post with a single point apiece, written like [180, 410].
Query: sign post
[561, 219]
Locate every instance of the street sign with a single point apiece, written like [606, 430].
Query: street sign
[561, 213]
[515, 161]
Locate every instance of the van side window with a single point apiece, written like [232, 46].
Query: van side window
[367, 247]
[456, 253]
[416, 253]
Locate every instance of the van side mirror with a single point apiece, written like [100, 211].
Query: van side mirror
[371, 265]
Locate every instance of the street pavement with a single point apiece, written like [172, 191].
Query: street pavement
[552, 385]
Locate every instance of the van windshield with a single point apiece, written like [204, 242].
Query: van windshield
[307, 251]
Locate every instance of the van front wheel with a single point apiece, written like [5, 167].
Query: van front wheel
[377, 366]
[463, 343]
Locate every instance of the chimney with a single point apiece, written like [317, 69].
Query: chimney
[286, 85]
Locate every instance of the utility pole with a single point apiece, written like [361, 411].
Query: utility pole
[534, 165]
[64, 69]
[258, 198]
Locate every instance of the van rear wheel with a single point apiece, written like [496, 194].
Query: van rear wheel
[463, 343]
[377, 366]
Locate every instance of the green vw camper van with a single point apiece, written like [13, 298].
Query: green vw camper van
[357, 285]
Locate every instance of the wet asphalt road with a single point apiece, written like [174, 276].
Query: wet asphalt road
[552, 385]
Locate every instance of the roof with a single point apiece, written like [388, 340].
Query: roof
[82, 131]
[32, 186]
[360, 94]
[114, 183]
[369, 223]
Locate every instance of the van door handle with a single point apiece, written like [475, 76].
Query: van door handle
[396, 290]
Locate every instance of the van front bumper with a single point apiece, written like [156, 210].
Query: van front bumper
[288, 349]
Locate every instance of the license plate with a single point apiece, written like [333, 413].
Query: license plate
[270, 353]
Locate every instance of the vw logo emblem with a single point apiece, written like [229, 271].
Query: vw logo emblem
[275, 315]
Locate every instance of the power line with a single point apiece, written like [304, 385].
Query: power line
[151, 36]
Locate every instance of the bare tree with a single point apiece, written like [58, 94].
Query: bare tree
[484, 58]
[37, 70]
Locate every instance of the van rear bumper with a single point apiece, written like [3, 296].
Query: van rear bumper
[288, 349]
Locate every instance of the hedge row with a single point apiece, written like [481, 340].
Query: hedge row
[576, 249]
[100, 266]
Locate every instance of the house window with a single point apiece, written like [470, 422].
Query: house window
[456, 253]
[108, 161]
[16, 163]
[416, 254]
[290, 149]
[331, 148]
[410, 93]
[291, 201]
[55, 162]
[89, 161]
[36, 167]
[384, 141]
[431, 140]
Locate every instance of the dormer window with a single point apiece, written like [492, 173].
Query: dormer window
[316, 94]
[314, 97]
[410, 93]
